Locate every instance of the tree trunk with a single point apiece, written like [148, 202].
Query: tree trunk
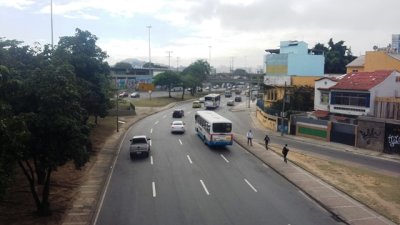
[44, 207]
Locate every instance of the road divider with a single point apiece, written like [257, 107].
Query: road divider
[252, 187]
[190, 160]
[204, 187]
[153, 184]
[226, 160]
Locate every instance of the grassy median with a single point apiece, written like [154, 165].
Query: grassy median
[378, 191]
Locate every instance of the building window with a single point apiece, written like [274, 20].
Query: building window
[353, 99]
[324, 98]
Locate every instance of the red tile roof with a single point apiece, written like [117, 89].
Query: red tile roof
[321, 113]
[362, 81]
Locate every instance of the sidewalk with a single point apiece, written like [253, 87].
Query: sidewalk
[333, 200]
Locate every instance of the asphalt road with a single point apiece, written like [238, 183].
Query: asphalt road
[185, 182]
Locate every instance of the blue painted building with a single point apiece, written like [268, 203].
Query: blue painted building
[293, 58]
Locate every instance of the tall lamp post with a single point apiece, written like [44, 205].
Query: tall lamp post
[149, 27]
[283, 109]
[209, 54]
[51, 22]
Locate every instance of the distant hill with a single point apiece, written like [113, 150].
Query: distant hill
[134, 62]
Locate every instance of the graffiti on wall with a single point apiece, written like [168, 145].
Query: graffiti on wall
[392, 139]
[369, 134]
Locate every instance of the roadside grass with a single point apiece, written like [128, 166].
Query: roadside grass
[105, 128]
[378, 191]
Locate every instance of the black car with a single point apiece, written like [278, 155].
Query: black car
[238, 99]
[177, 113]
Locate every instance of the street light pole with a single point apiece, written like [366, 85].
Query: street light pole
[283, 109]
[149, 27]
[209, 54]
[51, 22]
[117, 113]
[169, 59]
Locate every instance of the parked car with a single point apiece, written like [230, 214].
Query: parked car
[196, 104]
[140, 145]
[135, 95]
[178, 113]
[230, 103]
[238, 99]
[123, 94]
[177, 126]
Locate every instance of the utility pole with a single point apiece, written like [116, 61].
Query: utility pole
[209, 54]
[283, 109]
[177, 63]
[169, 59]
[149, 27]
[51, 21]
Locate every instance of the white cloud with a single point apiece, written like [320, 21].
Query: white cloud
[18, 4]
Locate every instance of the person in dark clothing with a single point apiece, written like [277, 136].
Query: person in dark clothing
[285, 151]
[266, 140]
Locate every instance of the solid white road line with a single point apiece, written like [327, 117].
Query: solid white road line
[190, 160]
[150, 142]
[154, 189]
[151, 160]
[224, 158]
[204, 187]
[180, 141]
[156, 122]
[255, 190]
[151, 130]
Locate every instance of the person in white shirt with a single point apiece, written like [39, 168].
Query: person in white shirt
[249, 136]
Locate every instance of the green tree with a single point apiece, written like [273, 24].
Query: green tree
[57, 134]
[122, 65]
[337, 56]
[195, 74]
[301, 98]
[168, 79]
[91, 69]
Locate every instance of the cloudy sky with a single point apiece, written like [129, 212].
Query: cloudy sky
[238, 31]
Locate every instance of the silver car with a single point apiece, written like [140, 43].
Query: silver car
[177, 126]
[140, 145]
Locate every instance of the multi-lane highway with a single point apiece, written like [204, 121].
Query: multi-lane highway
[185, 182]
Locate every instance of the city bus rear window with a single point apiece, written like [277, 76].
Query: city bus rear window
[222, 127]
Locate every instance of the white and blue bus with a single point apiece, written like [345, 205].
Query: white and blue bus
[213, 129]
[212, 101]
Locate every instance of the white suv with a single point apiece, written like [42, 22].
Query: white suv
[140, 145]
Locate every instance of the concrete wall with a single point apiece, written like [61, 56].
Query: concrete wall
[370, 135]
[313, 131]
[379, 60]
[268, 121]
[306, 65]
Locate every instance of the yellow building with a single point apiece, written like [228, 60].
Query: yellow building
[373, 61]
[276, 92]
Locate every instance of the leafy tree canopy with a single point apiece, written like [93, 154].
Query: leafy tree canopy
[337, 56]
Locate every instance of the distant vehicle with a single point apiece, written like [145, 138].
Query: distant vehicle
[135, 95]
[178, 113]
[238, 99]
[201, 100]
[177, 126]
[207, 88]
[238, 92]
[177, 89]
[123, 94]
[228, 94]
[140, 145]
[212, 101]
[230, 103]
[196, 104]
[213, 129]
